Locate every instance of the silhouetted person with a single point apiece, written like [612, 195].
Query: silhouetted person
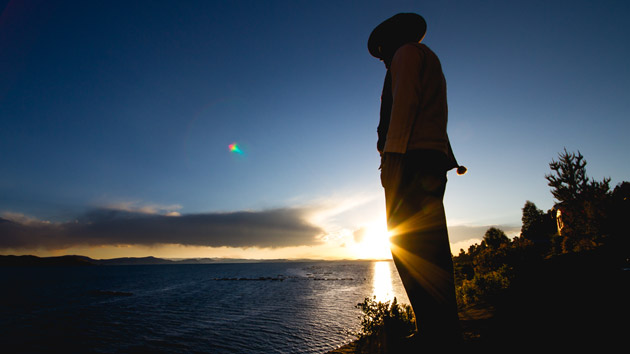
[415, 156]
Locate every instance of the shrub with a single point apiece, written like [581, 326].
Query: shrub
[484, 286]
[385, 318]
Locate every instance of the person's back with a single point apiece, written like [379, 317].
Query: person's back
[419, 93]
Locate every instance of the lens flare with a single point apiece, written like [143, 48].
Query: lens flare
[235, 148]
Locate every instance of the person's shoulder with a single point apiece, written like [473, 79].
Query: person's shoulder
[411, 48]
[425, 51]
[423, 47]
[408, 51]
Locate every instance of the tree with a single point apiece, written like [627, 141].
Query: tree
[538, 226]
[581, 201]
[570, 180]
[619, 216]
[494, 238]
[532, 217]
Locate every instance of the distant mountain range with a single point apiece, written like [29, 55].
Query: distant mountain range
[87, 261]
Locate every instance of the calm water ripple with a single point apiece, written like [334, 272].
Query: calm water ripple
[214, 308]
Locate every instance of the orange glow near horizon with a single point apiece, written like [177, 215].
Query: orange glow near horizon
[373, 245]
[320, 252]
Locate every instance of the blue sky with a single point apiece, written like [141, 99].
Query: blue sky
[112, 106]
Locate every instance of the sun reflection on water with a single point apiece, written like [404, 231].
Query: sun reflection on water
[383, 290]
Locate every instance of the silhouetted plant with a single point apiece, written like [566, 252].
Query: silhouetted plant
[582, 202]
[463, 267]
[619, 214]
[494, 238]
[385, 318]
[532, 217]
[484, 286]
[486, 270]
[592, 218]
[568, 179]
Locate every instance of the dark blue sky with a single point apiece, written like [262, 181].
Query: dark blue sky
[132, 105]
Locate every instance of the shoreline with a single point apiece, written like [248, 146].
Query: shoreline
[76, 260]
[474, 321]
[574, 302]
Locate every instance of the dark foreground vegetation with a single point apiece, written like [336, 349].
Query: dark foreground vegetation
[563, 284]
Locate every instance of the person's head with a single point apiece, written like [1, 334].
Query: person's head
[392, 33]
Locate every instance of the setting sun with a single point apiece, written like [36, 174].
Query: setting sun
[373, 242]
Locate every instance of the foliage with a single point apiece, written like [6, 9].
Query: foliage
[568, 179]
[531, 217]
[384, 317]
[620, 211]
[494, 238]
[536, 224]
[592, 217]
[539, 227]
[583, 203]
[484, 272]
[484, 286]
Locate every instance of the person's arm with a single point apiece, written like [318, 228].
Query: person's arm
[406, 91]
[386, 110]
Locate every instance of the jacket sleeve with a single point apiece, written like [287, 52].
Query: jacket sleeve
[406, 91]
[386, 110]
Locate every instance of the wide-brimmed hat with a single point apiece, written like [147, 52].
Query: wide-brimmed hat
[394, 32]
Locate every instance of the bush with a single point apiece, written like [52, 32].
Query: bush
[484, 286]
[385, 318]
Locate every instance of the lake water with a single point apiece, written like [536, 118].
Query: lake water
[211, 308]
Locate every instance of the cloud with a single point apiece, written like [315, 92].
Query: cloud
[461, 233]
[137, 207]
[359, 235]
[272, 228]
[22, 219]
[333, 211]
[464, 245]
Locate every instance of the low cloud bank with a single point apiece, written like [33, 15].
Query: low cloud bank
[462, 233]
[464, 236]
[273, 228]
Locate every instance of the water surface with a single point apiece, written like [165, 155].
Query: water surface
[211, 308]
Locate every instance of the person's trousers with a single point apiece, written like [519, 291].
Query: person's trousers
[414, 190]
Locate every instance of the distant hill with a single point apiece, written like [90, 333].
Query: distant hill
[45, 261]
[132, 261]
[73, 260]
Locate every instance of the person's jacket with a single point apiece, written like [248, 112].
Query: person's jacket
[414, 110]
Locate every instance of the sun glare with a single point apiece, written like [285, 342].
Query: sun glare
[375, 242]
[382, 283]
